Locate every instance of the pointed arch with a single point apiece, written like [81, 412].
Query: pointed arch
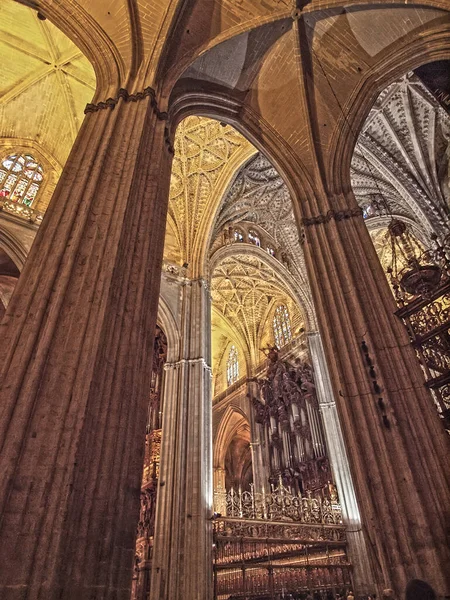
[232, 420]
[410, 53]
[167, 322]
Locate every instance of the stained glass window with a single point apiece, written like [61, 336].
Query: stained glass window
[253, 238]
[270, 251]
[232, 365]
[20, 178]
[282, 326]
[238, 236]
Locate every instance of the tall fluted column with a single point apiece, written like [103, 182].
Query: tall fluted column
[182, 558]
[76, 360]
[363, 577]
[396, 445]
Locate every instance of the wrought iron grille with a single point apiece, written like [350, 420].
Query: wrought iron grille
[268, 560]
[281, 504]
[427, 320]
[276, 543]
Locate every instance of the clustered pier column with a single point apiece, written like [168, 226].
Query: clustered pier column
[76, 361]
[396, 445]
[182, 558]
[363, 578]
[260, 468]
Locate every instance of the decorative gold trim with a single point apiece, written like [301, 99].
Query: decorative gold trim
[337, 215]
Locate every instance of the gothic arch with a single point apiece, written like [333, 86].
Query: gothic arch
[19, 145]
[52, 168]
[168, 324]
[433, 44]
[232, 420]
[13, 247]
[287, 281]
[209, 102]
[238, 341]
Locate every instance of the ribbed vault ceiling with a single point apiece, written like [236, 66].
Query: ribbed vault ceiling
[401, 158]
[206, 157]
[45, 82]
[244, 288]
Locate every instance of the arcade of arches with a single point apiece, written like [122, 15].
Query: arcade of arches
[224, 298]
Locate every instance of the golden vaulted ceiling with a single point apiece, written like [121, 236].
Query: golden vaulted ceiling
[45, 83]
[207, 155]
[245, 292]
[244, 287]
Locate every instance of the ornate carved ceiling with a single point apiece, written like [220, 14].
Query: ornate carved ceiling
[207, 156]
[245, 289]
[45, 83]
[401, 156]
[401, 153]
[259, 195]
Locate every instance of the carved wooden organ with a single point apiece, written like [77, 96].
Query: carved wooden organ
[287, 410]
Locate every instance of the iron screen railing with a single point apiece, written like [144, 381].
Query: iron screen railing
[260, 560]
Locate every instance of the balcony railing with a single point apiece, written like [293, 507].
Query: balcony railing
[280, 504]
[22, 211]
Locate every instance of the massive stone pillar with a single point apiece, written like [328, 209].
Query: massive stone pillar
[363, 577]
[76, 360]
[182, 558]
[396, 445]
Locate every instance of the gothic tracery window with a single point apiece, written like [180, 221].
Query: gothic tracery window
[20, 178]
[281, 326]
[232, 365]
[253, 238]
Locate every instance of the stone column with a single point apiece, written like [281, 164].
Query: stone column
[259, 452]
[397, 448]
[182, 558]
[76, 360]
[363, 577]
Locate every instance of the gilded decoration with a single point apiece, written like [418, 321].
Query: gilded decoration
[152, 460]
[244, 289]
[206, 156]
[280, 504]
